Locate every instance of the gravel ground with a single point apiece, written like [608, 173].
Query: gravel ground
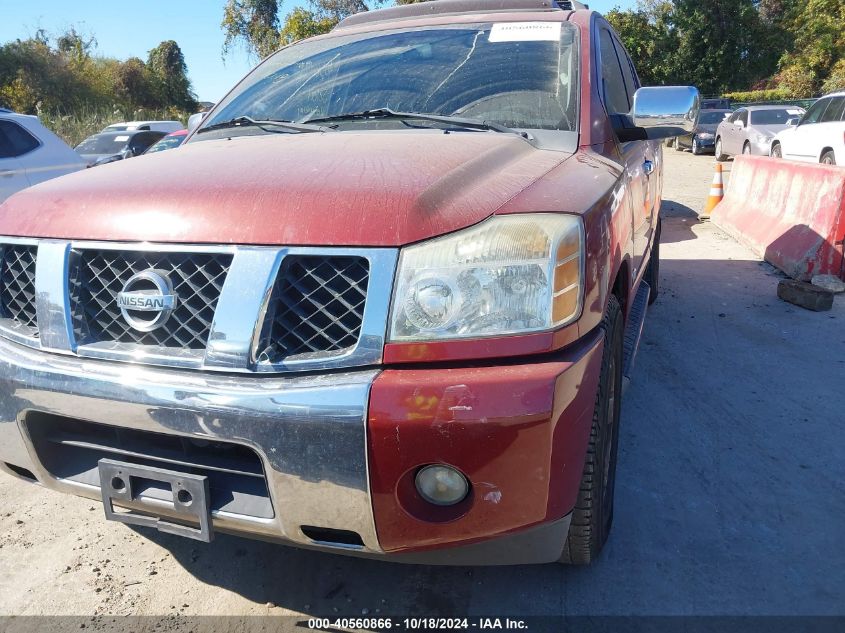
[729, 500]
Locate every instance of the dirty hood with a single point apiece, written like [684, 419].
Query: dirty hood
[376, 188]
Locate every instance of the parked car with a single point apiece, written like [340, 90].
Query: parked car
[703, 138]
[751, 130]
[716, 104]
[386, 309]
[108, 147]
[30, 153]
[818, 136]
[155, 126]
[171, 141]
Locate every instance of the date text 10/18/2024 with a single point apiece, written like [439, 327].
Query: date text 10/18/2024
[411, 624]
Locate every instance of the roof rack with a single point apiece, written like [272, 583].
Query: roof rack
[445, 7]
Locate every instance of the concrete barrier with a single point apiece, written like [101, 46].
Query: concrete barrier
[791, 214]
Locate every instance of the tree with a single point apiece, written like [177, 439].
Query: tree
[301, 23]
[647, 37]
[166, 63]
[816, 61]
[252, 23]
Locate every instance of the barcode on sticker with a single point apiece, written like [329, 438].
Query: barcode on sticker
[525, 32]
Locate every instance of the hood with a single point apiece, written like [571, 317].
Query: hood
[368, 188]
[707, 128]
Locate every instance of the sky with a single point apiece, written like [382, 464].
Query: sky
[130, 29]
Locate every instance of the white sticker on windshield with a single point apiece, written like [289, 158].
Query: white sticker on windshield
[525, 32]
[118, 139]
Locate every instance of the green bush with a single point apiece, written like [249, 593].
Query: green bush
[750, 96]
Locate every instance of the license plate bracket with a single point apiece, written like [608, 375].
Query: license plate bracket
[119, 483]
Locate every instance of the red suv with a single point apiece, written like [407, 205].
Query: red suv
[383, 301]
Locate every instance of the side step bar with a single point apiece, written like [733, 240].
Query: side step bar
[633, 332]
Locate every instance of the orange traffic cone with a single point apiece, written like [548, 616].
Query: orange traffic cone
[717, 192]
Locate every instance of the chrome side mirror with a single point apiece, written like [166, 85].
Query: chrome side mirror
[194, 121]
[661, 112]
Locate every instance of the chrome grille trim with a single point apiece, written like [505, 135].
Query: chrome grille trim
[240, 313]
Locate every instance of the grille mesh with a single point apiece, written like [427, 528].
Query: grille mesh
[99, 275]
[17, 284]
[316, 306]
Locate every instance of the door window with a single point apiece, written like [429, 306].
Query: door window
[613, 83]
[815, 112]
[833, 112]
[15, 140]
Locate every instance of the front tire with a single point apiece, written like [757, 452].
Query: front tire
[678, 147]
[746, 149]
[828, 159]
[720, 157]
[593, 513]
[696, 148]
[777, 152]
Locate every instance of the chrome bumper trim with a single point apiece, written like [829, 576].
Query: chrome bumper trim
[309, 431]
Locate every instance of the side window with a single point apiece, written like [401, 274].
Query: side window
[615, 95]
[743, 116]
[815, 112]
[732, 118]
[15, 140]
[631, 81]
[834, 111]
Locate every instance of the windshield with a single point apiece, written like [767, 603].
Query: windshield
[103, 144]
[710, 117]
[774, 117]
[168, 142]
[521, 75]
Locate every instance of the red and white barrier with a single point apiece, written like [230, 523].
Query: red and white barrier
[791, 214]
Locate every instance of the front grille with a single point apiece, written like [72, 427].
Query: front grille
[97, 276]
[316, 307]
[70, 449]
[17, 285]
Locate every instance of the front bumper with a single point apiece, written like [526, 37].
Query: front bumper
[337, 448]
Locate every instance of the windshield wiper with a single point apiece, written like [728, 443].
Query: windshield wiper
[246, 121]
[387, 113]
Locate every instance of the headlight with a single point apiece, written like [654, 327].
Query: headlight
[508, 275]
[705, 136]
[758, 137]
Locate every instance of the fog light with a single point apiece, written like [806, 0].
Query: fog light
[442, 485]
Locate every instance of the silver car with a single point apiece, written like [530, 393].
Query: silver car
[750, 130]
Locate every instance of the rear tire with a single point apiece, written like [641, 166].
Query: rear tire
[828, 159]
[720, 157]
[593, 513]
[652, 273]
[678, 147]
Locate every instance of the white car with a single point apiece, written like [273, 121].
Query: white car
[818, 137]
[154, 126]
[30, 153]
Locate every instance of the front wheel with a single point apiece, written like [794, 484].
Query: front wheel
[696, 148]
[719, 155]
[828, 159]
[777, 152]
[678, 147]
[593, 513]
[746, 150]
